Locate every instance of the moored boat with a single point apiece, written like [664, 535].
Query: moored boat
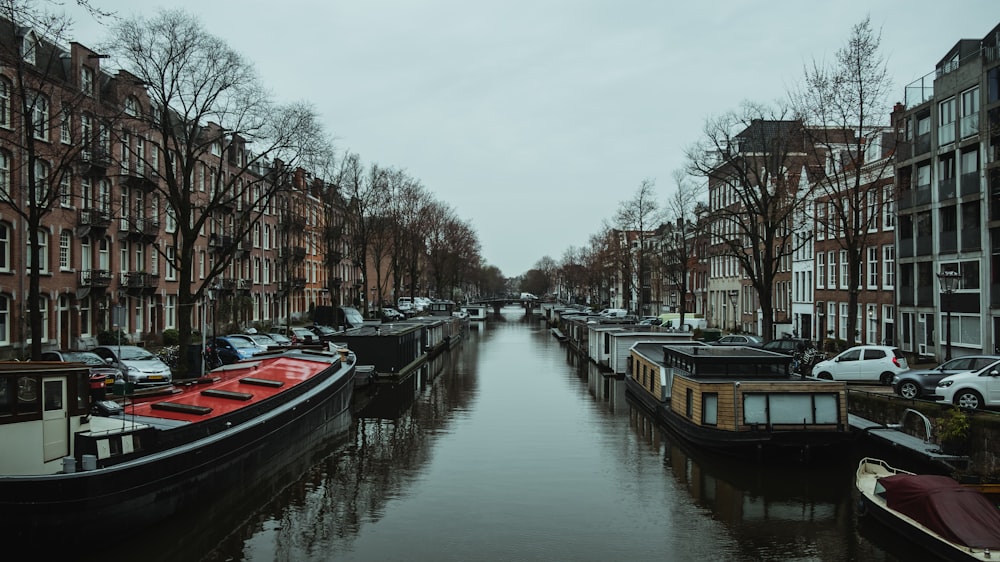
[952, 521]
[739, 401]
[140, 462]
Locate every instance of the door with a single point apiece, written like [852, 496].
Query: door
[55, 421]
[849, 366]
[64, 326]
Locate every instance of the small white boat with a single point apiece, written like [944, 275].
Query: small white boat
[952, 521]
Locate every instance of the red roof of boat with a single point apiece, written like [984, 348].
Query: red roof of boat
[957, 513]
[230, 388]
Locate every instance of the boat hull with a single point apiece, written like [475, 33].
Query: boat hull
[139, 493]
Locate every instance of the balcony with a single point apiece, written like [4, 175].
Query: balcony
[93, 218]
[294, 284]
[946, 189]
[294, 253]
[139, 228]
[220, 244]
[922, 195]
[922, 144]
[133, 281]
[93, 162]
[292, 222]
[95, 278]
[970, 183]
[144, 179]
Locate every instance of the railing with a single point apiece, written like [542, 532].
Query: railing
[922, 144]
[137, 280]
[95, 278]
[93, 218]
[946, 189]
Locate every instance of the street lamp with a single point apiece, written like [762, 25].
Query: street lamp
[673, 302]
[949, 282]
[732, 298]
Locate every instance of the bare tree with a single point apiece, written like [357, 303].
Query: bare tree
[636, 219]
[680, 235]
[224, 143]
[45, 149]
[754, 161]
[846, 105]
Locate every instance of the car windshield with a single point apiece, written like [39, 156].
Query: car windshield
[280, 338]
[135, 354]
[302, 332]
[241, 343]
[324, 329]
[263, 340]
[83, 357]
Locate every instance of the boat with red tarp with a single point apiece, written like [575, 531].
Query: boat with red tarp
[952, 521]
[146, 457]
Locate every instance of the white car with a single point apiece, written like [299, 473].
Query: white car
[863, 363]
[972, 389]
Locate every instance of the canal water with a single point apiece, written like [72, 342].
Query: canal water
[511, 448]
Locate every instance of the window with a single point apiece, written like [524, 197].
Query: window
[871, 215]
[4, 175]
[831, 280]
[820, 221]
[170, 272]
[65, 239]
[871, 332]
[201, 264]
[123, 257]
[65, 191]
[85, 316]
[40, 116]
[873, 267]
[87, 80]
[170, 312]
[43, 311]
[710, 408]
[132, 106]
[29, 48]
[43, 251]
[888, 209]
[843, 270]
[86, 258]
[843, 321]
[41, 191]
[104, 254]
[4, 320]
[5, 244]
[969, 124]
[888, 267]
[5, 102]
[66, 126]
[946, 121]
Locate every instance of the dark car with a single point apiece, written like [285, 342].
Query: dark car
[788, 346]
[740, 339]
[323, 333]
[299, 335]
[281, 339]
[102, 374]
[921, 383]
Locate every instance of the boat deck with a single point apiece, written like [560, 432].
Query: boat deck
[927, 449]
[226, 390]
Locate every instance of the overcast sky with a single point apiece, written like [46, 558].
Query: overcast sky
[535, 119]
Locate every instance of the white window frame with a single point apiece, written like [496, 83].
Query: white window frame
[65, 252]
[873, 259]
[888, 267]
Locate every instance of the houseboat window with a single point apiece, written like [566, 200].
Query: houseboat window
[82, 393]
[826, 408]
[6, 396]
[53, 395]
[754, 408]
[28, 396]
[710, 408]
[689, 399]
[791, 408]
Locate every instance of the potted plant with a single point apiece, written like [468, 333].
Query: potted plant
[953, 432]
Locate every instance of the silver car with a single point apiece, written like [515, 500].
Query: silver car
[140, 367]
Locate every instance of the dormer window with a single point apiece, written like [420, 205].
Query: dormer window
[87, 80]
[30, 48]
[132, 106]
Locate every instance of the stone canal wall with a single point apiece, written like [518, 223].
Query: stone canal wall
[982, 440]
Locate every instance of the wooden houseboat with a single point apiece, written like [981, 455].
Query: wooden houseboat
[740, 401]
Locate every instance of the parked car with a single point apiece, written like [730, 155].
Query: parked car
[323, 333]
[139, 366]
[281, 339]
[878, 363]
[788, 346]
[405, 305]
[922, 383]
[650, 321]
[102, 374]
[261, 346]
[226, 350]
[265, 341]
[746, 340]
[390, 314]
[299, 335]
[972, 389]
